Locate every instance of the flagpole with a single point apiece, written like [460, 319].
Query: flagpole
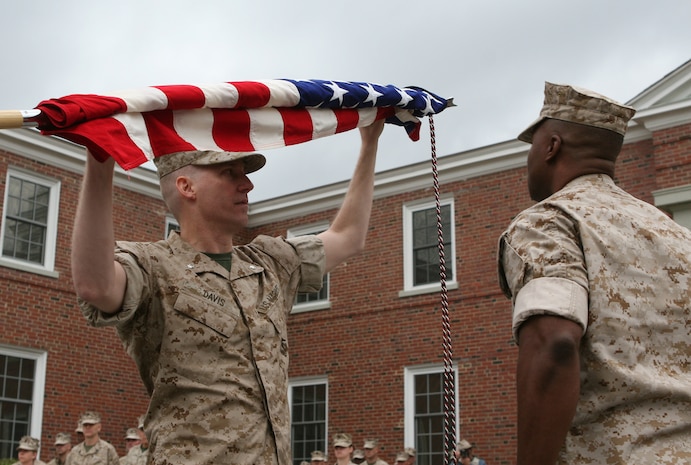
[10, 119]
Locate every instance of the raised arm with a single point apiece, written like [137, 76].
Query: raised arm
[346, 235]
[97, 277]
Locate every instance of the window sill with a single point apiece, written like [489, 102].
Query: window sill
[427, 289]
[29, 268]
[311, 307]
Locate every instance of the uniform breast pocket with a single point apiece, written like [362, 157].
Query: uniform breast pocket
[208, 310]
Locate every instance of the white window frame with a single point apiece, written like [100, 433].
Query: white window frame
[310, 381]
[41, 362]
[318, 304]
[48, 267]
[171, 223]
[676, 201]
[409, 374]
[449, 252]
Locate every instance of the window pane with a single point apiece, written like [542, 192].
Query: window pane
[26, 390]
[308, 423]
[8, 245]
[11, 388]
[28, 368]
[426, 245]
[16, 398]
[12, 206]
[429, 418]
[23, 413]
[26, 209]
[26, 220]
[13, 367]
[14, 189]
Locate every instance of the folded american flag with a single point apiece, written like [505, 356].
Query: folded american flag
[137, 125]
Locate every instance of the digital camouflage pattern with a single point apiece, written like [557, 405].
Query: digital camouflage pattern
[166, 164]
[135, 456]
[62, 438]
[102, 453]
[212, 346]
[633, 264]
[582, 106]
[28, 443]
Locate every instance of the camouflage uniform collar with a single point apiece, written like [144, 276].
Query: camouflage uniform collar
[199, 262]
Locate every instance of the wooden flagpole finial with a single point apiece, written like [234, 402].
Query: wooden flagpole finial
[10, 119]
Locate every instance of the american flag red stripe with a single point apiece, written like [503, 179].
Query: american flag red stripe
[300, 130]
[137, 125]
[239, 136]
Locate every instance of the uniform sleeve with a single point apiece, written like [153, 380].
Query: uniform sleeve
[542, 267]
[310, 249]
[113, 457]
[551, 296]
[136, 292]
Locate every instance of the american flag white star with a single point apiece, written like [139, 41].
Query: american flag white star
[338, 92]
[405, 98]
[372, 94]
[429, 109]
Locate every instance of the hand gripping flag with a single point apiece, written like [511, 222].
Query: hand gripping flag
[137, 125]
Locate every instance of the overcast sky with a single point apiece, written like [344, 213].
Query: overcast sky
[492, 56]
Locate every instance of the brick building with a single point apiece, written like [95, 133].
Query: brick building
[366, 353]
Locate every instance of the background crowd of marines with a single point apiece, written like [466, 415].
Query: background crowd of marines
[90, 448]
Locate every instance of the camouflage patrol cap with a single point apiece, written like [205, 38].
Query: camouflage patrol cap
[464, 445]
[410, 451]
[28, 443]
[318, 456]
[166, 164]
[402, 456]
[132, 433]
[80, 428]
[582, 106]
[358, 454]
[370, 444]
[90, 418]
[342, 440]
[62, 438]
[140, 421]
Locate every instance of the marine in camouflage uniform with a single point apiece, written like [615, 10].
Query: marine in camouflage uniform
[137, 455]
[205, 339]
[100, 453]
[371, 451]
[28, 451]
[343, 448]
[63, 445]
[209, 335]
[93, 450]
[601, 288]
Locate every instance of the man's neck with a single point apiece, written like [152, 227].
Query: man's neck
[91, 441]
[207, 240]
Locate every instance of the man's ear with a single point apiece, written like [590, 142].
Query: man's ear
[553, 148]
[185, 187]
